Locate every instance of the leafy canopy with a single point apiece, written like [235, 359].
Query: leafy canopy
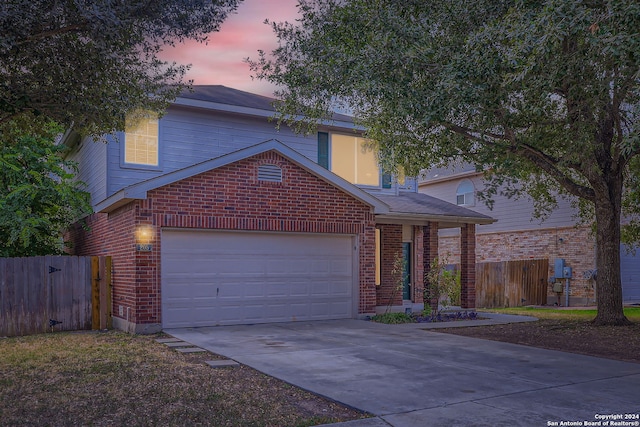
[543, 95]
[89, 62]
[39, 197]
[80, 64]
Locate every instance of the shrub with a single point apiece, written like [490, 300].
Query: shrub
[393, 318]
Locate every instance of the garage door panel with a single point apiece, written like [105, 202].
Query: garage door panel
[320, 289]
[274, 290]
[340, 266]
[252, 290]
[302, 289]
[224, 278]
[338, 289]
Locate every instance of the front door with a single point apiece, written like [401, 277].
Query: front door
[406, 271]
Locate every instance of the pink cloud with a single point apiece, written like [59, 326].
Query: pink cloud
[220, 61]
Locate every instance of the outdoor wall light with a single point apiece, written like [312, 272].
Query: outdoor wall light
[144, 237]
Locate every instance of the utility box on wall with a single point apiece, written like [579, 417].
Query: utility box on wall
[566, 273]
[558, 268]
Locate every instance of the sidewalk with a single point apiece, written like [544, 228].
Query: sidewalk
[487, 319]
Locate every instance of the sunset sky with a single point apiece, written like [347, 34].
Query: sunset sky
[241, 35]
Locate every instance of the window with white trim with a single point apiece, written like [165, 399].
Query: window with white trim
[141, 139]
[465, 194]
[350, 157]
[354, 160]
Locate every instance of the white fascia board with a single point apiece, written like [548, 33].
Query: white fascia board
[395, 217]
[112, 202]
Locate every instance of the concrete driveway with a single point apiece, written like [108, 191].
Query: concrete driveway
[407, 376]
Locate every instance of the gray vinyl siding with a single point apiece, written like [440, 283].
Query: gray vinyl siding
[189, 136]
[630, 275]
[512, 214]
[91, 158]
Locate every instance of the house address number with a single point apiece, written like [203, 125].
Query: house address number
[144, 247]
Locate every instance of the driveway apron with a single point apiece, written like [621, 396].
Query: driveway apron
[408, 376]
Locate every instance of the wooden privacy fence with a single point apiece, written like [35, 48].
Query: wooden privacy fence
[512, 283]
[47, 293]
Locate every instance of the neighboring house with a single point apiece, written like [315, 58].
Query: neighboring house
[517, 236]
[215, 217]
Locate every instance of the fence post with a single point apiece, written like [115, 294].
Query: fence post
[95, 292]
[107, 275]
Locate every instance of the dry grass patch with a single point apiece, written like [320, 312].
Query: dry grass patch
[113, 378]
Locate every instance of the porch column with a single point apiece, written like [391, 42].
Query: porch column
[430, 252]
[468, 266]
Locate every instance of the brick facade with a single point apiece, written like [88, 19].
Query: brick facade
[576, 245]
[227, 198]
[390, 291]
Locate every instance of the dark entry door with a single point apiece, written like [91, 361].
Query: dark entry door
[406, 271]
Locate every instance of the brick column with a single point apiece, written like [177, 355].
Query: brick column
[430, 252]
[391, 248]
[468, 266]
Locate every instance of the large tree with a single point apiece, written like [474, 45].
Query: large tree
[84, 65]
[39, 197]
[544, 95]
[87, 62]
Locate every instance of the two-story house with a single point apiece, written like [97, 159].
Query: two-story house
[517, 235]
[213, 216]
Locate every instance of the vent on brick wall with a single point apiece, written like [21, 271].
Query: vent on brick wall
[269, 173]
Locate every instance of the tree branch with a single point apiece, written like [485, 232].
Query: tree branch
[538, 158]
[469, 133]
[54, 32]
[548, 165]
[12, 116]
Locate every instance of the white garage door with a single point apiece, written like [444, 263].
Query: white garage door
[630, 272]
[228, 278]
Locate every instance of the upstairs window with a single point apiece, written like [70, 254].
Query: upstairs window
[141, 139]
[349, 157]
[465, 195]
[354, 160]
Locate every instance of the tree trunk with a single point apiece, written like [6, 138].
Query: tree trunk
[608, 279]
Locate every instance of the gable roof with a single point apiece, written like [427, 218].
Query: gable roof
[139, 191]
[225, 95]
[406, 206]
[454, 171]
[222, 98]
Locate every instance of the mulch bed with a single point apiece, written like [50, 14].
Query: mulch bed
[612, 342]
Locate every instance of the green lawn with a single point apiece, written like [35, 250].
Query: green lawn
[632, 313]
